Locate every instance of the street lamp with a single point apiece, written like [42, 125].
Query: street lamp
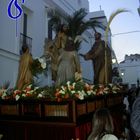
[122, 73]
[114, 61]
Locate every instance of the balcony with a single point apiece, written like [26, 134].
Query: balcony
[24, 39]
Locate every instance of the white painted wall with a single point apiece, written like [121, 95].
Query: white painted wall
[131, 71]
[10, 37]
[8, 67]
[7, 29]
[8, 46]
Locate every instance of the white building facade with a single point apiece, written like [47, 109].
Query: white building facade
[130, 70]
[33, 25]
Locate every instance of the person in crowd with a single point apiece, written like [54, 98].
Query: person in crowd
[132, 94]
[97, 55]
[68, 63]
[135, 117]
[125, 119]
[102, 126]
[25, 76]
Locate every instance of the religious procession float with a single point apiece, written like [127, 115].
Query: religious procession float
[57, 113]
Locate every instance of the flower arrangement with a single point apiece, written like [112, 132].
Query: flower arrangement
[38, 66]
[81, 90]
[71, 90]
[30, 92]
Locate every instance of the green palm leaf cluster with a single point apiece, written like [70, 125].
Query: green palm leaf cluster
[55, 20]
[77, 23]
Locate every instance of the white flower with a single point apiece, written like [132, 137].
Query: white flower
[81, 96]
[110, 84]
[40, 96]
[83, 92]
[68, 83]
[17, 97]
[73, 91]
[89, 92]
[92, 86]
[43, 65]
[62, 91]
[29, 86]
[30, 92]
[63, 88]
[36, 88]
[74, 85]
[94, 92]
[23, 95]
[106, 89]
[3, 95]
[41, 60]
[114, 91]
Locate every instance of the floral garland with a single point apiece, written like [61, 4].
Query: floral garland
[81, 90]
[71, 90]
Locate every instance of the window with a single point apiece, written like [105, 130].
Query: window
[24, 27]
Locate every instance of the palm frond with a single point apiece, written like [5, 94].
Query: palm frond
[55, 20]
[76, 21]
[55, 23]
[77, 24]
[112, 16]
[78, 15]
[91, 24]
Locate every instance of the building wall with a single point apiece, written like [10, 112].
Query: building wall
[130, 69]
[8, 29]
[8, 46]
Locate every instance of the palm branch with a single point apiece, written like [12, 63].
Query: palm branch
[112, 16]
[55, 20]
[75, 22]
